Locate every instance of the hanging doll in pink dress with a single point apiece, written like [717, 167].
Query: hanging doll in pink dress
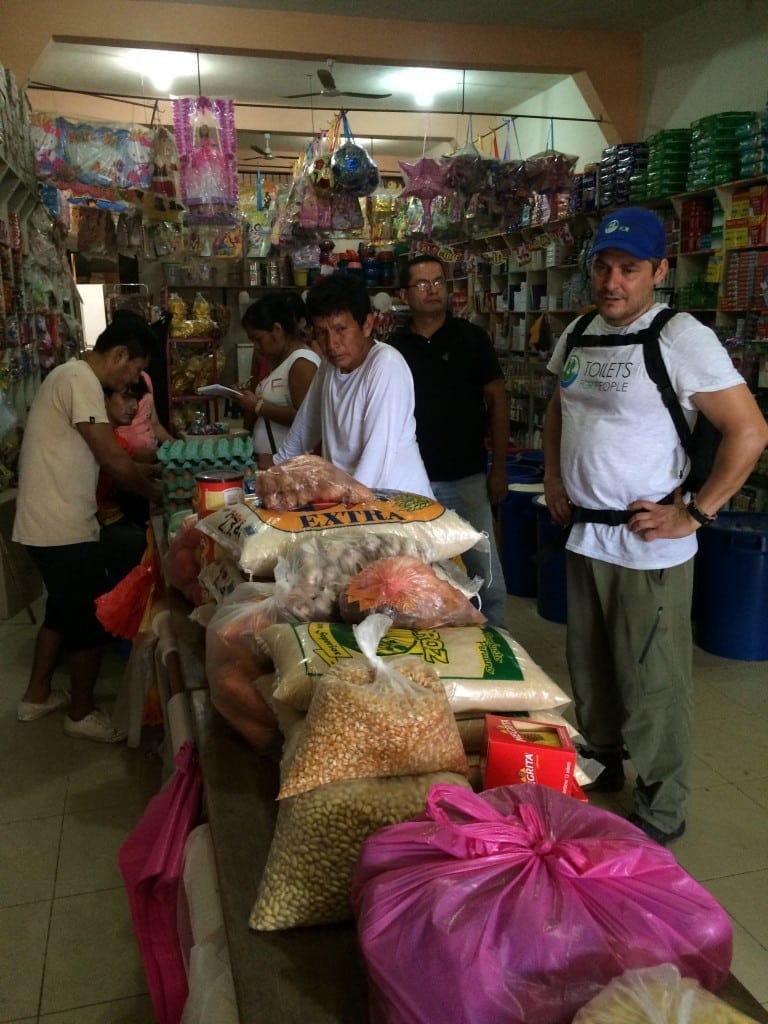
[207, 142]
[207, 180]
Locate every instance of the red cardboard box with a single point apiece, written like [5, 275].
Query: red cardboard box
[524, 750]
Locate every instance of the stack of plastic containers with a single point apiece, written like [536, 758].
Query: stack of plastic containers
[715, 148]
[667, 169]
[618, 164]
[752, 141]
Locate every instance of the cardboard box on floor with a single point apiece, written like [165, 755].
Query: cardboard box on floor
[524, 750]
[20, 582]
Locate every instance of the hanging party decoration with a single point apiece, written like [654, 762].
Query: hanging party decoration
[465, 169]
[207, 142]
[91, 159]
[163, 199]
[424, 180]
[320, 174]
[352, 168]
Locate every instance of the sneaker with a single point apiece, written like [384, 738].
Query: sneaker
[611, 778]
[96, 726]
[57, 700]
[662, 838]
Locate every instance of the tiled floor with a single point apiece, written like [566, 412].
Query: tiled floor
[67, 953]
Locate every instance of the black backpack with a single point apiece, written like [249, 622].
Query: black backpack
[701, 443]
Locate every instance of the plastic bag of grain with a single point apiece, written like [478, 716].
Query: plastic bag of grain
[481, 667]
[258, 537]
[307, 879]
[657, 995]
[375, 718]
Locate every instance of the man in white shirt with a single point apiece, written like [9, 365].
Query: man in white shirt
[614, 466]
[360, 404]
[67, 438]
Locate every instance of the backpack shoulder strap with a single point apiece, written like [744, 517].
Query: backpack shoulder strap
[657, 371]
[578, 330]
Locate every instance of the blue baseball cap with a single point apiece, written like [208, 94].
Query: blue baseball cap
[633, 230]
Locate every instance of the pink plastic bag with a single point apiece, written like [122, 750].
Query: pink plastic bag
[151, 864]
[518, 905]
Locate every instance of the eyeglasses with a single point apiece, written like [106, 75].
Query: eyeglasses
[427, 286]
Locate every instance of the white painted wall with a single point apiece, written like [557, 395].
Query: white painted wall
[714, 59]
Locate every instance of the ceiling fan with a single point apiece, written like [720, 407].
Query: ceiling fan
[328, 87]
[266, 152]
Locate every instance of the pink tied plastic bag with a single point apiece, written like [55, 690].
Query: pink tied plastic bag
[150, 862]
[518, 905]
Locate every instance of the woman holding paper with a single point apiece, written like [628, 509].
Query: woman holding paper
[270, 404]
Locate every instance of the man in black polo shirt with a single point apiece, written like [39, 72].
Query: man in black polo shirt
[460, 397]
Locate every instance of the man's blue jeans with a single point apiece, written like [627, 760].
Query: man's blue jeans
[469, 498]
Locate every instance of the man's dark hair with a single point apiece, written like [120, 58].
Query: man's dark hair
[423, 257]
[138, 389]
[339, 293]
[275, 308]
[130, 330]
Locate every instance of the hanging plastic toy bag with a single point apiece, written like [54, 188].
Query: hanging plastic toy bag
[207, 142]
[163, 199]
[550, 171]
[465, 169]
[529, 902]
[320, 174]
[351, 166]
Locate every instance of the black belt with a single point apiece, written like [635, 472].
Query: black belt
[609, 516]
[604, 516]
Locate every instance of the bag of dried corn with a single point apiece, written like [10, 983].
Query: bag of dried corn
[374, 719]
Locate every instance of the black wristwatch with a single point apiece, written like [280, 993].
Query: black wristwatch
[701, 517]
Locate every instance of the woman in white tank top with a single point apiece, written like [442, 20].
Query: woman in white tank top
[270, 404]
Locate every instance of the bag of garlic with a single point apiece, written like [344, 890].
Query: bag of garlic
[257, 537]
[311, 576]
[373, 719]
[481, 667]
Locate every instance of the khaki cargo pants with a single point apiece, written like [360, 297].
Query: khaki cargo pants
[629, 649]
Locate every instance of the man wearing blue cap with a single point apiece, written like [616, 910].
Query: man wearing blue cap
[614, 465]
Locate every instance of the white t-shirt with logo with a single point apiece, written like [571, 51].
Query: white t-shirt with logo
[618, 442]
[56, 503]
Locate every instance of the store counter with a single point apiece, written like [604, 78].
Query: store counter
[295, 976]
[304, 974]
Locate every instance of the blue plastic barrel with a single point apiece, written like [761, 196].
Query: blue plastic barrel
[532, 457]
[551, 602]
[517, 520]
[731, 586]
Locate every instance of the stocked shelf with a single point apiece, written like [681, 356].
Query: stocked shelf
[717, 242]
